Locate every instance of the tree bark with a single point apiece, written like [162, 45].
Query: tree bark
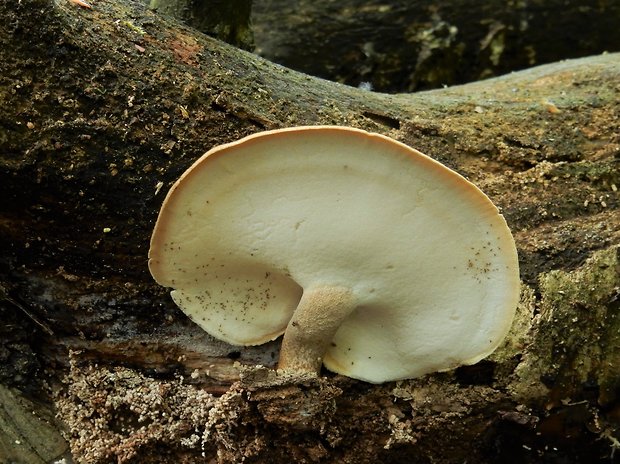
[408, 45]
[104, 107]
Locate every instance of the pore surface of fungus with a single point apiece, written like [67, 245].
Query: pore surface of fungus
[370, 257]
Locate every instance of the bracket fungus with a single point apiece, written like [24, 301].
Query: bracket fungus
[370, 257]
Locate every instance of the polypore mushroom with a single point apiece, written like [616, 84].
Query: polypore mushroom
[370, 257]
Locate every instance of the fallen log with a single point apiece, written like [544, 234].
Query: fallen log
[105, 106]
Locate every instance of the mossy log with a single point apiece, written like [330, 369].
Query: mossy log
[103, 107]
[407, 45]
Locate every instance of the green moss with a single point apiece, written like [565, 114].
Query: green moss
[574, 351]
[605, 171]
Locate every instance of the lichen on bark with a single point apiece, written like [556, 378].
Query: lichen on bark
[574, 351]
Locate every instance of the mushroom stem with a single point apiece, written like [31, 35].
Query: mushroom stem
[318, 316]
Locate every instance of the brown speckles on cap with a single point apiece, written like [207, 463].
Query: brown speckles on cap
[253, 222]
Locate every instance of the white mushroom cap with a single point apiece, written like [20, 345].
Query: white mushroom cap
[426, 262]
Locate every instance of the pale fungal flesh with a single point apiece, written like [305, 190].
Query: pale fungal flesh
[405, 267]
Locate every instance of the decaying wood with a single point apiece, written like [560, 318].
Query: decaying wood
[29, 431]
[103, 108]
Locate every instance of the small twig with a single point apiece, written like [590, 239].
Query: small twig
[4, 296]
[614, 443]
[82, 3]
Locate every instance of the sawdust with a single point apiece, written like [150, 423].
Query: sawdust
[115, 414]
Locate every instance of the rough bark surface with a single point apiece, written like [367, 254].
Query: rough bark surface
[103, 108]
[407, 45]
